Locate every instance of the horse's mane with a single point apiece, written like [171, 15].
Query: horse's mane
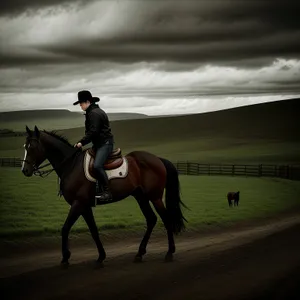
[59, 137]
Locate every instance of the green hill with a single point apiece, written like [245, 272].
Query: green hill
[273, 120]
[277, 120]
[53, 119]
[268, 132]
[261, 133]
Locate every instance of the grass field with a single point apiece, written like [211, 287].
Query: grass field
[231, 151]
[259, 134]
[30, 206]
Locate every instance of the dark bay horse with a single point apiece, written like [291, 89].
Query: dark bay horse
[148, 177]
[233, 196]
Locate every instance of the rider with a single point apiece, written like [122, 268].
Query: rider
[97, 131]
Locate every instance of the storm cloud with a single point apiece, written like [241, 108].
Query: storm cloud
[133, 31]
[149, 49]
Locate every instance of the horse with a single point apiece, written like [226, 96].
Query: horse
[233, 196]
[147, 177]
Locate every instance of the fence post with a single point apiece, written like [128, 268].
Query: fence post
[287, 172]
[259, 170]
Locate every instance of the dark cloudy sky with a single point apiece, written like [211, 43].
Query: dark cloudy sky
[154, 57]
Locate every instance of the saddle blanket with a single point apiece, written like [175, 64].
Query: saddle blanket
[120, 172]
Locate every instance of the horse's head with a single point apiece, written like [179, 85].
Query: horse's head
[34, 152]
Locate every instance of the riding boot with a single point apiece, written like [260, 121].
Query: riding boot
[104, 195]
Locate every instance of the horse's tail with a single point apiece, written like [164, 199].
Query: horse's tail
[172, 196]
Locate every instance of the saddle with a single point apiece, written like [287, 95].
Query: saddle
[114, 160]
[116, 165]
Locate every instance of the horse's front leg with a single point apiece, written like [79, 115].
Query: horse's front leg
[74, 213]
[229, 202]
[90, 221]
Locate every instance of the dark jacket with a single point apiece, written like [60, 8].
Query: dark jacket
[97, 128]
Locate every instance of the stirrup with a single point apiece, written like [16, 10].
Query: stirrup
[103, 197]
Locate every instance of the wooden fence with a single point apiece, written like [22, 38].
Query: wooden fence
[281, 171]
[10, 162]
[193, 168]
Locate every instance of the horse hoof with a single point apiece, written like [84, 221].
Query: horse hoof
[138, 259]
[99, 264]
[169, 257]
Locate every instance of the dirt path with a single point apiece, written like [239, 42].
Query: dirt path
[261, 262]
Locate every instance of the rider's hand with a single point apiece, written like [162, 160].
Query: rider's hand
[78, 145]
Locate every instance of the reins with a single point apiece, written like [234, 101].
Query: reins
[43, 174]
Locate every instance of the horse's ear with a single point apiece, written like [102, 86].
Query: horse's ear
[37, 132]
[28, 131]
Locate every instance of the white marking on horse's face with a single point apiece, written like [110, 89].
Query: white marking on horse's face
[25, 155]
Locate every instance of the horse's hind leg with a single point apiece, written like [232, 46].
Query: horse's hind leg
[162, 211]
[90, 221]
[151, 220]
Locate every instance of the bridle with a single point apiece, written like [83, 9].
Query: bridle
[37, 170]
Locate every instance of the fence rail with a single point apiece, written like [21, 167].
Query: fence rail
[194, 168]
[10, 162]
[281, 171]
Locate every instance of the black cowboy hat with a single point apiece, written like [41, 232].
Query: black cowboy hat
[84, 96]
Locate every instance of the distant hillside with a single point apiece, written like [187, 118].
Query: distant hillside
[273, 120]
[36, 114]
[126, 116]
[122, 116]
[52, 119]
[277, 120]
[262, 133]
